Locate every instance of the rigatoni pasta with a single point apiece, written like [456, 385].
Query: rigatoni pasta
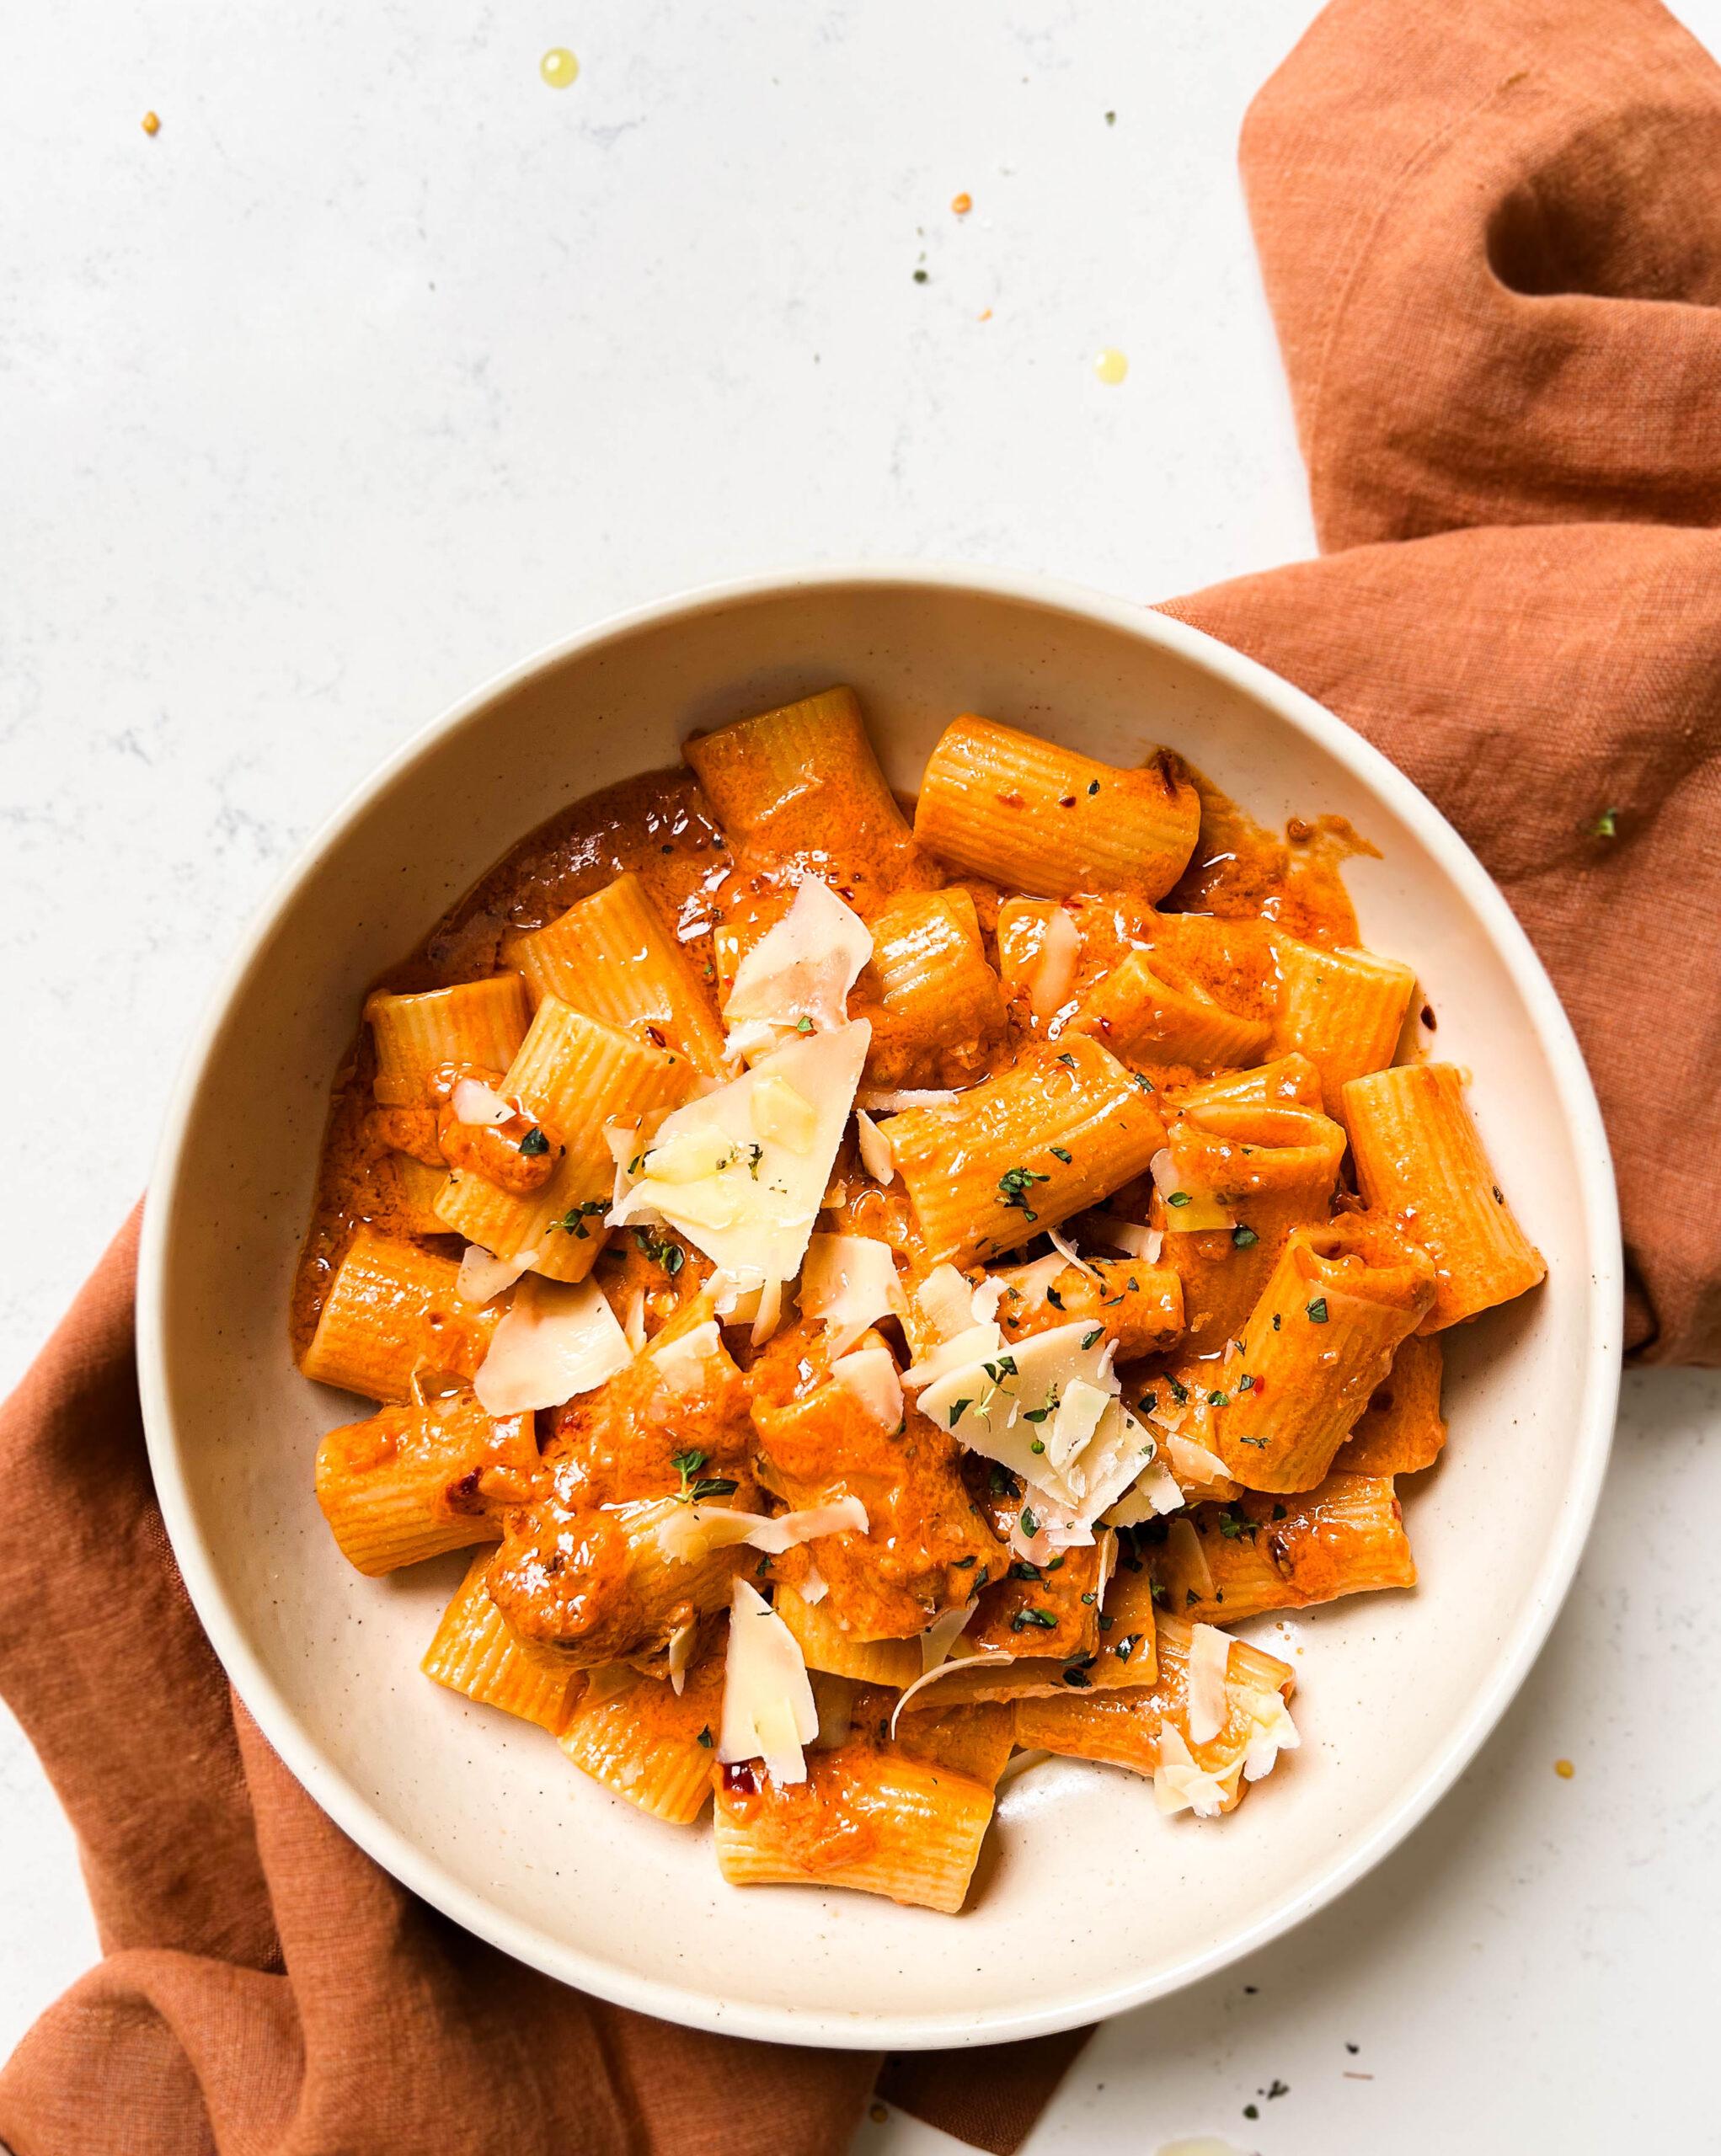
[880, 1299]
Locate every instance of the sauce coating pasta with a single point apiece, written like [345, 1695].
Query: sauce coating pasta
[882, 1283]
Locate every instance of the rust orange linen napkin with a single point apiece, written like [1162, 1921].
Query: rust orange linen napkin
[1492, 235]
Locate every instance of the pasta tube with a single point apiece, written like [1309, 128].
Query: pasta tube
[1059, 1131]
[573, 1074]
[649, 1745]
[1420, 1164]
[1317, 1344]
[1343, 1009]
[476, 1653]
[408, 1483]
[936, 1006]
[1140, 1014]
[1226, 1562]
[1401, 1429]
[1038, 818]
[391, 1312]
[801, 785]
[611, 956]
[470, 1029]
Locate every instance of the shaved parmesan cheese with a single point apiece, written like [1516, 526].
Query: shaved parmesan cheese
[554, 1340]
[693, 1531]
[1186, 1211]
[848, 1282]
[1194, 1467]
[477, 1103]
[1054, 975]
[800, 973]
[1031, 1282]
[878, 1157]
[769, 1709]
[1184, 1546]
[483, 1278]
[812, 1589]
[871, 1374]
[942, 1670]
[945, 1301]
[1271, 1731]
[681, 1653]
[941, 1634]
[998, 1403]
[888, 1102]
[977, 1343]
[1210, 1652]
[741, 1191]
[683, 1361]
[1151, 1496]
[633, 1324]
[1179, 1785]
[1068, 1253]
[769, 1314]
[986, 1298]
[1126, 1235]
[1078, 1413]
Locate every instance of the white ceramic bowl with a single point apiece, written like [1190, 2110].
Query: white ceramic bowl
[1087, 1902]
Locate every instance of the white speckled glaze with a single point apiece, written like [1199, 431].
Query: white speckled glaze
[1087, 1902]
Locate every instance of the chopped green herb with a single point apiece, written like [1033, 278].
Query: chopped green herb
[1318, 1311]
[962, 1564]
[1215, 1400]
[1605, 825]
[804, 1025]
[1156, 1589]
[1000, 1481]
[705, 1736]
[1234, 1524]
[1125, 1647]
[573, 1221]
[1279, 1512]
[1179, 1198]
[1061, 1154]
[1055, 1298]
[1067, 1058]
[1043, 1618]
[1104, 1622]
[957, 1408]
[1014, 1186]
[1093, 784]
[1189, 1596]
[1036, 1444]
[1275, 1321]
[1021, 1570]
[1245, 1383]
[1244, 1238]
[662, 1251]
[1150, 1400]
[1075, 1674]
[755, 1154]
[714, 1485]
[534, 1142]
[1257, 1443]
[1179, 1392]
[1090, 1596]
[1030, 1525]
[1005, 1367]
[687, 1463]
[1088, 1339]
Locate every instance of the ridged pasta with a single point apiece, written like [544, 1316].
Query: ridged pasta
[391, 1309]
[935, 1004]
[573, 1074]
[612, 957]
[407, 1483]
[1140, 1014]
[642, 1742]
[475, 1027]
[1401, 1429]
[1343, 1009]
[825, 1645]
[1036, 817]
[1287, 1081]
[801, 785]
[477, 1652]
[1320, 1339]
[1269, 1169]
[417, 1189]
[873, 1821]
[1421, 1163]
[1229, 1563]
[1139, 1305]
[989, 1173]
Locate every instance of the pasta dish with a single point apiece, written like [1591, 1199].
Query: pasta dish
[881, 1289]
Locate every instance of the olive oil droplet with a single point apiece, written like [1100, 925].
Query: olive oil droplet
[1110, 365]
[559, 67]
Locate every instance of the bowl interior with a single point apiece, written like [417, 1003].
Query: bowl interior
[1089, 1900]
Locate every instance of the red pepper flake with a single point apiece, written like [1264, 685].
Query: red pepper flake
[1066, 801]
[740, 1778]
[1010, 800]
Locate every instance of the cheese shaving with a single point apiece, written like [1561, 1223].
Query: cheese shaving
[1184, 1546]
[769, 1314]
[554, 1340]
[681, 1653]
[1067, 1251]
[878, 1156]
[1127, 1236]
[1210, 1654]
[1271, 1731]
[871, 1374]
[848, 1282]
[890, 1102]
[942, 1633]
[475, 1102]
[769, 1709]
[691, 1532]
[1054, 975]
[1179, 1785]
[483, 1278]
[945, 1301]
[799, 974]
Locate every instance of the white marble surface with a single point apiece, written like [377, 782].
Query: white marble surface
[383, 363]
